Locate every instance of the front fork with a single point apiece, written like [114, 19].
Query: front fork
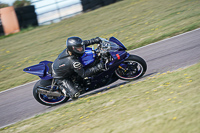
[121, 65]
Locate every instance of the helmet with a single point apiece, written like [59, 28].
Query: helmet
[75, 45]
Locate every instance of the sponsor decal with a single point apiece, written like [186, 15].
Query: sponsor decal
[77, 65]
[62, 65]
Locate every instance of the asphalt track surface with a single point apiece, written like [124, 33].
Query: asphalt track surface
[18, 103]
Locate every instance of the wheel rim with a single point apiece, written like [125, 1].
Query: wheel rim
[129, 70]
[51, 100]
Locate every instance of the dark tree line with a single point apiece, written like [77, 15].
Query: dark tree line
[17, 3]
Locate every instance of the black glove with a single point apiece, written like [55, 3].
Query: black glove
[91, 41]
[96, 40]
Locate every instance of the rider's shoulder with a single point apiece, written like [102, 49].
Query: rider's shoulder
[63, 54]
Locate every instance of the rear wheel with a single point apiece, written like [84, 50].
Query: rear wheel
[45, 99]
[132, 68]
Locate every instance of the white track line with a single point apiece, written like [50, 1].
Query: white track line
[130, 50]
[18, 87]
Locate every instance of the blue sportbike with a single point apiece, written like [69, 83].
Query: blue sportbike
[119, 65]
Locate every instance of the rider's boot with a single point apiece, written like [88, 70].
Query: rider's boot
[68, 88]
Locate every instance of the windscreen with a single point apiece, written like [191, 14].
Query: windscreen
[108, 46]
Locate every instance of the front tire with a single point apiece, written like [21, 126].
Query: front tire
[44, 99]
[132, 68]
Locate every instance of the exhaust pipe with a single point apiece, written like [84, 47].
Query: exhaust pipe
[49, 93]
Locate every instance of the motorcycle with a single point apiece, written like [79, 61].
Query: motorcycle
[119, 64]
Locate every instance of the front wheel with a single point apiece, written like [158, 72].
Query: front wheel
[132, 68]
[45, 99]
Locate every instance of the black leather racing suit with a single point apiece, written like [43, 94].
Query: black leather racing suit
[67, 65]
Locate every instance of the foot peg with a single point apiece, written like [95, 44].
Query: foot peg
[77, 94]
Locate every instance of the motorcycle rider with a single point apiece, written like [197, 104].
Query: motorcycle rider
[68, 64]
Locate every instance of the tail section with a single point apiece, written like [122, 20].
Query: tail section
[42, 70]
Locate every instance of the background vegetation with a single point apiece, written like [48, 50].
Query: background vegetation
[17, 3]
[163, 103]
[21, 3]
[134, 22]
[2, 5]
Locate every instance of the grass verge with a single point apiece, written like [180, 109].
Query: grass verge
[167, 102]
[134, 22]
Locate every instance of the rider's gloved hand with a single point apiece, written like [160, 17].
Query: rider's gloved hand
[97, 40]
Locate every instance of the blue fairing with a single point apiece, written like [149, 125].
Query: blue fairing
[115, 40]
[36, 70]
[88, 57]
[40, 70]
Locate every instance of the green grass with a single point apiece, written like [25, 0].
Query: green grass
[135, 22]
[163, 103]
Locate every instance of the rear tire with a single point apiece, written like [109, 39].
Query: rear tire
[132, 68]
[45, 100]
